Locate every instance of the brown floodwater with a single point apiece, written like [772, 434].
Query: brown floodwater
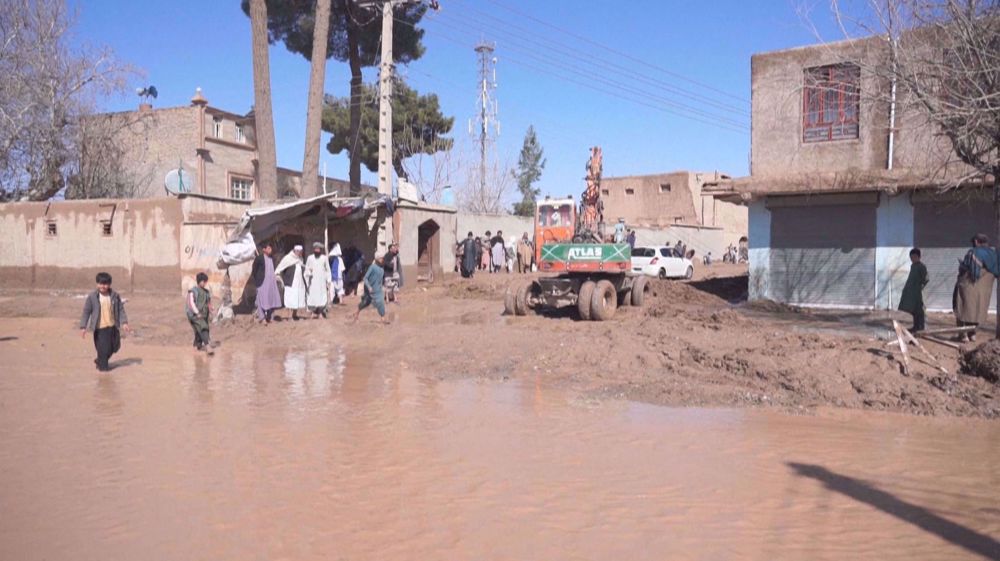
[325, 454]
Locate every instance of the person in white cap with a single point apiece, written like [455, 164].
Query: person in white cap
[317, 275]
[337, 270]
[290, 270]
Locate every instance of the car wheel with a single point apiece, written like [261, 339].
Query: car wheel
[689, 273]
[583, 299]
[662, 274]
[604, 301]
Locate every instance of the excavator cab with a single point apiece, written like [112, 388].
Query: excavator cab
[555, 221]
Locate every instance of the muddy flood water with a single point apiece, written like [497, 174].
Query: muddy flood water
[326, 454]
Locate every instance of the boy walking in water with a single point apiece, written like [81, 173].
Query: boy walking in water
[373, 294]
[104, 314]
[199, 309]
[912, 299]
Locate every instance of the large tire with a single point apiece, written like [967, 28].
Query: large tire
[583, 299]
[509, 301]
[521, 297]
[639, 288]
[604, 301]
[625, 298]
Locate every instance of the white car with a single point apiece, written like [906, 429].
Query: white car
[659, 261]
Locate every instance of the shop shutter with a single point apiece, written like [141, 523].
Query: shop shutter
[823, 255]
[942, 230]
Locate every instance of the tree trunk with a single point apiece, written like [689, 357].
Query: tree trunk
[996, 217]
[354, 59]
[267, 160]
[314, 112]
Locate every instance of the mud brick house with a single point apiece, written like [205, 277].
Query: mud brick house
[838, 195]
[672, 199]
[216, 147]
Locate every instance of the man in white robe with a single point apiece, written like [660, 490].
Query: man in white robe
[317, 275]
[290, 271]
[337, 271]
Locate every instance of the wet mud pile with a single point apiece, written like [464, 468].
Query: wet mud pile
[983, 361]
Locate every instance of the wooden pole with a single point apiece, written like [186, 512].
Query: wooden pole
[902, 347]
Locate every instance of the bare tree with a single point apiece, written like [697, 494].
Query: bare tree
[433, 165]
[267, 166]
[941, 65]
[494, 197]
[46, 87]
[113, 157]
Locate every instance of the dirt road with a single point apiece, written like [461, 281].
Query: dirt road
[689, 346]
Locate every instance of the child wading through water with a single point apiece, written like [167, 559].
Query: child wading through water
[912, 300]
[199, 309]
[104, 314]
[373, 290]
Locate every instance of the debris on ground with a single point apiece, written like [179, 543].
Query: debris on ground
[983, 361]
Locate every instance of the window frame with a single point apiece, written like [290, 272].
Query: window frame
[665, 188]
[241, 135]
[233, 178]
[844, 81]
[51, 229]
[217, 127]
[107, 229]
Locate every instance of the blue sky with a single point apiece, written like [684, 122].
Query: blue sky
[662, 54]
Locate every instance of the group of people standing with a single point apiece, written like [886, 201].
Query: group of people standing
[977, 271]
[322, 279]
[491, 253]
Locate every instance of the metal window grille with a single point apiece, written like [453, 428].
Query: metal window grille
[830, 103]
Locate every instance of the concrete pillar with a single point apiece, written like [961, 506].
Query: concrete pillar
[760, 250]
[893, 240]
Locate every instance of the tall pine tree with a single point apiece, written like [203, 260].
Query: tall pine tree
[530, 164]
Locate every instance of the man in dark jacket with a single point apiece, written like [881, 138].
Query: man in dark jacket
[104, 314]
[912, 299]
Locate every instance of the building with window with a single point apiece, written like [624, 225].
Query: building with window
[841, 186]
[672, 199]
[217, 148]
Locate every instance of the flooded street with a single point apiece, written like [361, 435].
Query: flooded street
[333, 454]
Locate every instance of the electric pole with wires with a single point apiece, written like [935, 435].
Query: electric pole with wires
[386, 68]
[487, 119]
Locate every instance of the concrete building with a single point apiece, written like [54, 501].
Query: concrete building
[837, 196]
[672, 199]
[217, 147]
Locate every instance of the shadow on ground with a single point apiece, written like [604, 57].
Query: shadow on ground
[966, 538]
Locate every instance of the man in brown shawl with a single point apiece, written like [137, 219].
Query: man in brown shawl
[974, 286]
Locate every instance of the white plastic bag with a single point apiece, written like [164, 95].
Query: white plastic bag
[240, 251]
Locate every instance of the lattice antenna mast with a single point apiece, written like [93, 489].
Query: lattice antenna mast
[487, 121]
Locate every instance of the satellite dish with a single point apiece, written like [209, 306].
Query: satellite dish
[178, 181]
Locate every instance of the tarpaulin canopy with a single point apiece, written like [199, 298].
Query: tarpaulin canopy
[263, 222]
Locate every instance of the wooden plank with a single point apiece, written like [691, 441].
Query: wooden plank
[917, 344]
[940, 341]
[902, 347]
[949, 330]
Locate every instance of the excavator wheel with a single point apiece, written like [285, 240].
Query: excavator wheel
[639, 288]
[525, 297]
[583, 299]
[604, 301]
[509, 301]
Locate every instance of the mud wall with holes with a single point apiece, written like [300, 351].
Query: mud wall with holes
[63, 245]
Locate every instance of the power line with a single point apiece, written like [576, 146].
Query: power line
[712, 120]
[585, 73]
[616, 51]
[678, 109]
[524, 34]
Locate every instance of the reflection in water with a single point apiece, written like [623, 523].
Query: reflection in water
[320, 453]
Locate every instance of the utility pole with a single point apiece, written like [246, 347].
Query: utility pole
[385, 95]
[487, 105]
